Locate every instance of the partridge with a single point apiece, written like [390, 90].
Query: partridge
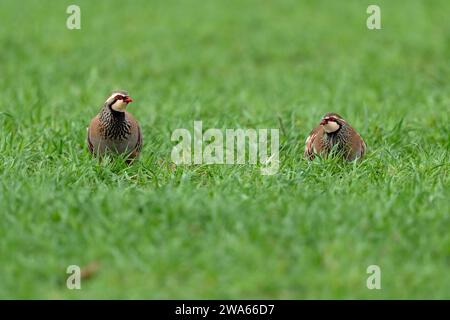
[334, 133]
[114, 130]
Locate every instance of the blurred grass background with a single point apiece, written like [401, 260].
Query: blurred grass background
[159, 231]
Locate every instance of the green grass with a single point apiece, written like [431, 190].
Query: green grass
[160, 231]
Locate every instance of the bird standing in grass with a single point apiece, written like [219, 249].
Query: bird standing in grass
[114, 129]
[334, 134]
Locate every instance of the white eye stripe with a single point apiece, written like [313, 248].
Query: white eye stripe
[111, 97]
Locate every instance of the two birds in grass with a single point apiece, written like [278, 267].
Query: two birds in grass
[115, 130]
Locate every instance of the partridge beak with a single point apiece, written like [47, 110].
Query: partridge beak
[127, 99]
[323, 122]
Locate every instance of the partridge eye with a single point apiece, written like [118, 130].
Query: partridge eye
[119, 97]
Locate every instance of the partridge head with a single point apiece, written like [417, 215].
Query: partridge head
[334, 134]
[114, 130]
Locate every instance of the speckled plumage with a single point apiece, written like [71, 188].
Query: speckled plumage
[114, 131]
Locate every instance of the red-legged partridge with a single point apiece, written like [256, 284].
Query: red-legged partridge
[114, 129]
[334, 133]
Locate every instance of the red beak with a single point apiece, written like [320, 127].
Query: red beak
[324, 121]
[127, 99]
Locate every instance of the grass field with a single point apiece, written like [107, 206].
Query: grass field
[160, 231]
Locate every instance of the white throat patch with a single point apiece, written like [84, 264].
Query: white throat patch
[330, 127]
[119, 106]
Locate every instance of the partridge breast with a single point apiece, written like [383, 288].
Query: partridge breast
[129, 142]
